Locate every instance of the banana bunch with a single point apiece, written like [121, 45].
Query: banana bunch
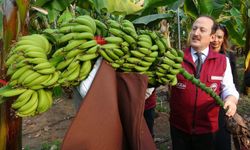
[78, 46]
[169, 66]
[144, 55]
[123, 29]
[79, 28]
[34, 67]
[76, 64]
[157, 39]
[29, 102]
[31, 69]
[101, 28]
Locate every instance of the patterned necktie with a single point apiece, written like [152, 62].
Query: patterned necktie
[198, 63]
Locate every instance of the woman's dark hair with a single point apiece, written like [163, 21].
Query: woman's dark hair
[224, 45]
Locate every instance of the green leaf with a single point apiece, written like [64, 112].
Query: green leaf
[54, 7]
[65, 16]
[150, 18]
[150, 5]
[234, 35]
[211, 7]
[57, 91]
[190, 9]
[118, 7]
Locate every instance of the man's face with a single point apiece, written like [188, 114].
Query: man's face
[200, 35]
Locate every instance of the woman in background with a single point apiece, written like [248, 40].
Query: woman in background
[220, 45]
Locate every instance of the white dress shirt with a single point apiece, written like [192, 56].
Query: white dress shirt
[227, 84]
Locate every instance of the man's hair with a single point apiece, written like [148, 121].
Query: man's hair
[213, 29]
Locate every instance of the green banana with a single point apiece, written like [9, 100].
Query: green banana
[116, 32]
[12, 92]
[93, 49]
[128, 65]
[114, 39]
[30, 106]
[153, 54]
[131, 40]
[88, 44]
[113, 24]
[76, 28]
[169, 55]
[111, 54]
[43, 101]
[149, 59]
[130, 31]
[52, 80]
[100, 25]
[110, 46]
[34, 54]
[85, 70]
[63, 64]
[105, 56]
[24, 76]
[174, 71]
[115, 65]
[118, 52]
[30, 78]
[178, 59]
[86, 57]
[168, 61]
[42, 66]
[38, 80]
[73, 44]
[145, 51]
[87, 20]
[140, 68]
[144, 42]
[36, 61]
[154, 47]
[73, 53]
[19, 72]
[137, 54]
[47, 70]
[74, 74]
[11, 59]
[22, 99]
[174, 52]
[83, 36]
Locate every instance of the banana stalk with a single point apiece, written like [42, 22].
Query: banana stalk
[202, 86]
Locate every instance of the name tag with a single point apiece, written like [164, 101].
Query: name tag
[216, 77]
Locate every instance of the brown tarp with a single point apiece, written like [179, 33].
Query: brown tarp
[111, 115]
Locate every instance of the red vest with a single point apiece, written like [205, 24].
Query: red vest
[192, 110]
[150, 102]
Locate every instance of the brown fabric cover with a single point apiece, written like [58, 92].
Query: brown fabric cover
[111, 115]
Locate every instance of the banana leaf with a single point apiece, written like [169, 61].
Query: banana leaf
[54, 7]
[151, 18]
[118, 7]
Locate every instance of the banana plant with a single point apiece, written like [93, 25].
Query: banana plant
[223, 11]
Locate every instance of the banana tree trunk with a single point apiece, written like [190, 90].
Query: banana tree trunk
[14, 14]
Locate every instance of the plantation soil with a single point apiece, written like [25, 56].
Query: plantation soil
[50, 127]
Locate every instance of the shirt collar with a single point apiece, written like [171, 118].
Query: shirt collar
[204, 53]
